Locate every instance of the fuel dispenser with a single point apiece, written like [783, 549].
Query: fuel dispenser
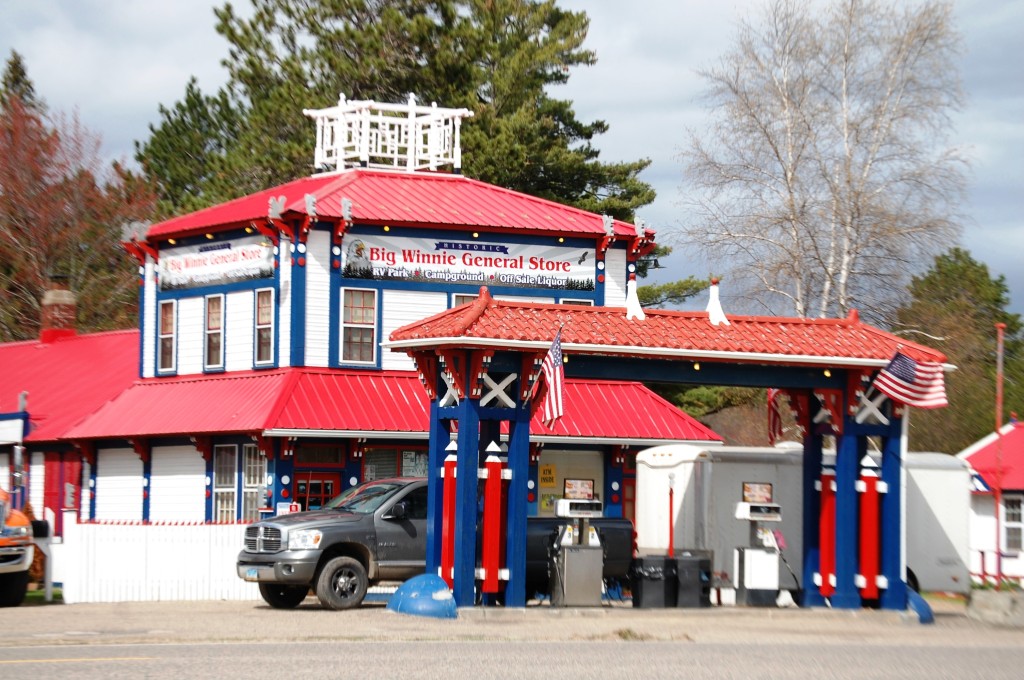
[757, 565]
[577, 557]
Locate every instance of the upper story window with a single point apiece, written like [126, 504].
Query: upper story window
[167, 336]
[358, 326]
[461, 299]
[581, 303]
[214, 347]
[264, 327]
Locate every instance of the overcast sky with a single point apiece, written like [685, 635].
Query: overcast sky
[116, 61]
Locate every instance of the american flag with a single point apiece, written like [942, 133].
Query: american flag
[914, 383]
[554, 378]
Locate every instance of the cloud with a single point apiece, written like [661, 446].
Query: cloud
[117, 62]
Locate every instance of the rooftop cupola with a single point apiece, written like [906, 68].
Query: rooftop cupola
[389, 136]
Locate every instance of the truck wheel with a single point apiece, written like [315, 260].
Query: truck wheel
[342, 583]
[12, 588]
[281, 596]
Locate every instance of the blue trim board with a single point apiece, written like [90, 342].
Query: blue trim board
[849, 451]
[895, 595]
[298, 311]
[466, 503]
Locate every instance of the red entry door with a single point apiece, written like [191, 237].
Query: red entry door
[313, 489]
[629, 499]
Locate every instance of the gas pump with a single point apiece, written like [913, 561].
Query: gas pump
[577, 560]
[757, 565]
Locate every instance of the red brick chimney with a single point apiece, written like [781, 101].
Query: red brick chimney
[58, 311]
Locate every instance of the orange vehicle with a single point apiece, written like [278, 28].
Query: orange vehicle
[16, 552]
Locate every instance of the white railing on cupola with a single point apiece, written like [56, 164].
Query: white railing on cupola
[389, 136]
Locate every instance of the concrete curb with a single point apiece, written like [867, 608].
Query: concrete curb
[1000, 608]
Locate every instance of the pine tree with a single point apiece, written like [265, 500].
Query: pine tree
[954, 308]
[495, 57]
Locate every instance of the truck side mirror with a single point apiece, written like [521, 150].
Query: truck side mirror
[399, 510]
[40, 528]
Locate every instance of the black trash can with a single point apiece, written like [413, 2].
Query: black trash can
[654, 582]
[694, 581]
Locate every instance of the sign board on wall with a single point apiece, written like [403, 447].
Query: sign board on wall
[209, 264]
[467, 261]
[547, 476]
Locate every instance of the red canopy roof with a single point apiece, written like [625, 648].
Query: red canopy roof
[487, 322]
[305, 401]
[400, 199]
[66, 379]
[984, 456]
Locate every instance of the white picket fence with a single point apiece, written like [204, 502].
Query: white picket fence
[131, 561]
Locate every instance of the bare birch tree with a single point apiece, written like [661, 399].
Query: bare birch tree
[824, 180]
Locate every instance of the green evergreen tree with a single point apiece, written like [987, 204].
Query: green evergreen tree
[954, 308]
[495, 57]
[16, 83]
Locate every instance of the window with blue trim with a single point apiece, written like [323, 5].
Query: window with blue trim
[167, 339]
[358, 326]
[213, 355]
[264, 329]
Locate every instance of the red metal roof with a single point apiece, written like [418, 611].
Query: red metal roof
[66, 379]
[400, 199]
[293, 400]
[984, 456]
[487, 322]
[620, 410]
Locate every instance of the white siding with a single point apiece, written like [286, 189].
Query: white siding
[149, 340]
[318, 291]
[191, 334]
[284, 307]
[177, 485]
[36, 482]
[238, 328]
[402, 307]
[118, 485]
[615, 276]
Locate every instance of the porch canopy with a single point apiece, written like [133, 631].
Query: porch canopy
[479, 362]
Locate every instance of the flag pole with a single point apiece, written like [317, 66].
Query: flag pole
[1000, 327]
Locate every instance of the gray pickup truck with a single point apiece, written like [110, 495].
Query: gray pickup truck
[377, 532]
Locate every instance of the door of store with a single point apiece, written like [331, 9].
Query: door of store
[313, 489]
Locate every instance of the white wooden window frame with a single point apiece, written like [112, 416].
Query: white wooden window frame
[267, 328]
[1013, 523]
[347, 325]
[253, 477]
[577, 301]
[170, 354]
[225, 483]
[213, 363]
[463, 298]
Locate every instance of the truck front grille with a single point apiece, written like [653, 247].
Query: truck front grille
[262, 539]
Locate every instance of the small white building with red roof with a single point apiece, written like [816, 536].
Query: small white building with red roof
[997, 504]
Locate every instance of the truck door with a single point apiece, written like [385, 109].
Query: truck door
[402, 543]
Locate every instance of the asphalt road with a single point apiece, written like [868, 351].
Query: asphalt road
[246, 639]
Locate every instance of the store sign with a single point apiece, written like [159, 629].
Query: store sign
[211, 264]
[468, 261]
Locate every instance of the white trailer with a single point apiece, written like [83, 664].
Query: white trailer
[708, 483]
